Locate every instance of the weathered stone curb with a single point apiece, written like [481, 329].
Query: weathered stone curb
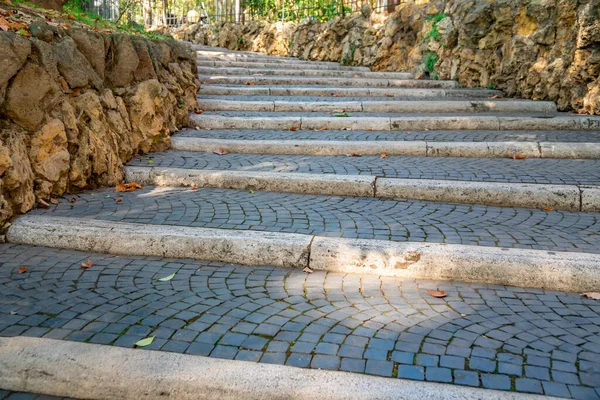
[92, 371]
[306, 80]
[235, 246]
[302, 72]
[268, 64]
[524, 268]
[399, 106]
[556, 197]
[408, 123]
[335, 185]
[392, 148]
[288, 90]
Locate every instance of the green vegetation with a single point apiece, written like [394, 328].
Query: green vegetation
[434, 33]
[491, 86]
[429, 60]
[296, 10]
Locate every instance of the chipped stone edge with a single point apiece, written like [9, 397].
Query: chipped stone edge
[516, 267]
[84, 370]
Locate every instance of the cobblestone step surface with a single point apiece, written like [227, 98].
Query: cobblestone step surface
[497, 337]
[539, 171]
[348, 217]
[409, 135]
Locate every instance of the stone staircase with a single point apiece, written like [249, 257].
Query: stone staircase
[344, 169]
[385, 186]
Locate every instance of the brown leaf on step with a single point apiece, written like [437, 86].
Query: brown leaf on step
[383, 155]
[370, 129]
[22, 270]
[71, 16]
[198, 111]
[518, 156]
[194, 187]
[72, 200]
[321, 95]
[249, 83]
[127, 187]
[547, 208]
[3, 24]
[495, 97]
[353, 155]
[86, 266]
[437, 294]
[118, 199]
[43, 204]
[294, 128]
[54, 201]
[220, 151]
[336, 95]
[341, 110]
[307, 270]
[592, 295]
[324, 128]
[389, 95]
[346, 129]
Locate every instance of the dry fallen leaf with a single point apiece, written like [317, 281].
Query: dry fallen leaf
[220, 151]
[118, 199]
[463, 315]
[198, 110]
[294, 128]
[249, 83]
[194, 187]
[54, 201]
[592, 295]
[383, 155]
[353, 155]
[3, 24]
[307, 270]
[437, 294]
[71, 16]
[495, 97]
[43, 204]
[22, 270]
[389, 95]
[86, 266]
[548, 208]
[324, 128]
[72, 200]
[518, 156]
[127, 187]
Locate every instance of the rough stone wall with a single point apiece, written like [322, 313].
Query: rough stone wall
[536, 49]
[75, 105]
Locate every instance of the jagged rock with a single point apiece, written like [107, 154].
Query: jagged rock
[50, 158]
[73, 66]
[91, 45]
[31, 94]
[13, 54]
[122, 60]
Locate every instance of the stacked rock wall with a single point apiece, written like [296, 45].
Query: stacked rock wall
[75, 105]
[536, 49]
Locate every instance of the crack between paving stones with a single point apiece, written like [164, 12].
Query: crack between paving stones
[580, 197]
[375, 186]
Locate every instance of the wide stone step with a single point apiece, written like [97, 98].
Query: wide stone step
[428, 135]
[216, 56]
[391, 122]
[302, 72]
[308, 80]
[333, 92]
[274, 65]
[394, 148]
[324, 215]
[563, 271]
[399, 106]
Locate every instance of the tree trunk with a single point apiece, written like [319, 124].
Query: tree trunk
[148, 13]
[165, 5]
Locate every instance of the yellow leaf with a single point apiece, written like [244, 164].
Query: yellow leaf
[167, 278]
[144, 342]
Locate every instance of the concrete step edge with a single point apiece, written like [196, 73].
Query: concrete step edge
[268, 64]
[312, 71]
[286, 80]
[316, 90]
[404, 123]
[515, 267]
[52, 367]
[526, 195]
[421, 148]
[398, 106]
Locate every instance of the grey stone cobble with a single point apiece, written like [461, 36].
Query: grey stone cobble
[432, 135]
[349, 217]
[531, 170]
[391, 327]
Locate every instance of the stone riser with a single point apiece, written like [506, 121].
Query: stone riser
[273, 65]
[305, 80]
[394, 148]
[334, 92]
[302, 72]
[408, 123]
[558, 197]
[400, 106]
[267, 59]
[530, 268]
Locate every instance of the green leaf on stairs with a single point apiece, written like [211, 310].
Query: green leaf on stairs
[144, 342]
[167, 278]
